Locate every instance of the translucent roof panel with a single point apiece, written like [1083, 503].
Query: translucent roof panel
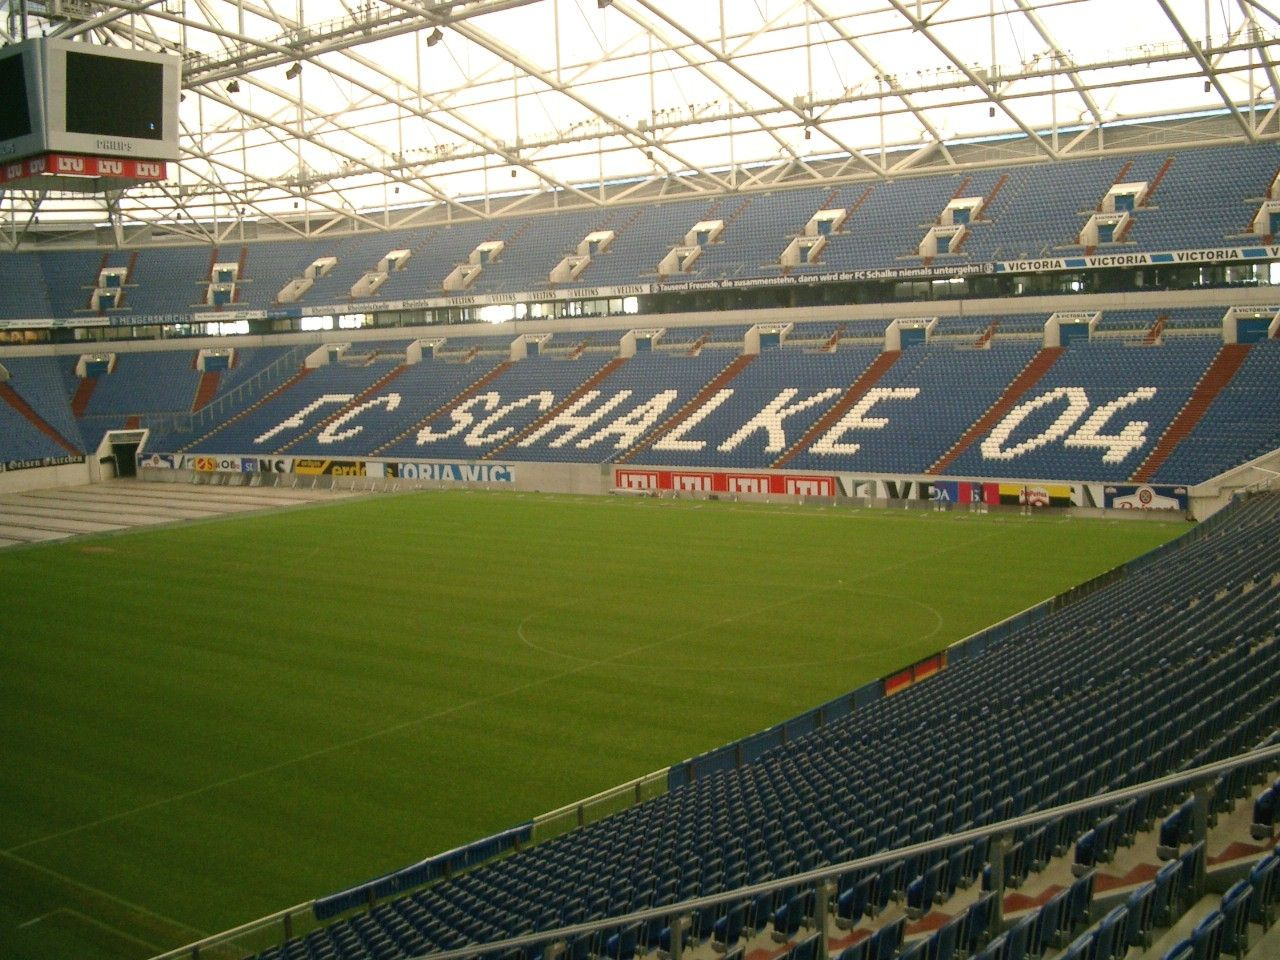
[307, 111]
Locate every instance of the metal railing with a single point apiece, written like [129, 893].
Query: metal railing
[268, 377]
[1199, 777]
[603, 804]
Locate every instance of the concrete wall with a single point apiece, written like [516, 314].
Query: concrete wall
[38, 478]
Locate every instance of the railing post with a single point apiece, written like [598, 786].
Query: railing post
[677, 934]
[999, 844]
[1200, 811]
[823, 904]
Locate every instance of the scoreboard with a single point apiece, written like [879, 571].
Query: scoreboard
[75, 98]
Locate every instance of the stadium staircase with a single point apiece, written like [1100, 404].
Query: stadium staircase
[695, 348]
[1164, 666]
[15, 400]
[445, 407]
[266, 398]
[833, 341]
[1219, 374]
[577, 394]
[84, 393]
[723, 378]
[206, 390]
[1156, 330]
[857, 390]
[862, 198]
[985, 337]
[990, 198]
[1036, 368]
[350, 405]
[1156, 180]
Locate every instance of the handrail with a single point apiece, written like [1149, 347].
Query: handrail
[816, 875]
[634, 785]
[215, 409]
[1196, 775]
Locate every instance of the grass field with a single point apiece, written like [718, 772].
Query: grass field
[206, 723]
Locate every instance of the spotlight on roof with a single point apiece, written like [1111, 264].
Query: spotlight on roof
[434, 37]
[601, 4]
[233, 86]
[294, 70]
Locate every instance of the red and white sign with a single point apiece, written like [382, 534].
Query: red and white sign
[706, 481]
[74, 165]
[635, 479]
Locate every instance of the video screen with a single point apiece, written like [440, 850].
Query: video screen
[15, 113]
[114, 96]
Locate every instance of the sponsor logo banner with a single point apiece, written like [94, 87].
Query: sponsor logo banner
[315, 467]
[158, 461]
[46, 323]
[706, 481]
[35, 463]
[211, 463]
[447, 472]
[266, 465]
[74, 165]
[955, 491]
[1162, 258]
[1143, 497]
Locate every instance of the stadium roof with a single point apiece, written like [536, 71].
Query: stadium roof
[304, 114]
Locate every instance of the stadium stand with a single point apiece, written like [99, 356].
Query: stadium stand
[1140, 384]
[1200, 198]
[1178, 409]
[39, 382]
[1139, 676]
[1230, 431]
[955, 385]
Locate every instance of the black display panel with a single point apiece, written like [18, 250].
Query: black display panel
[114, 97]
[15, 113]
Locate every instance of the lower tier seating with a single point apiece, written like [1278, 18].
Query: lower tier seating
[1172, 666]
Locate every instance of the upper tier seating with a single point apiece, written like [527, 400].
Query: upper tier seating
[1166, 668]
[1205, 198]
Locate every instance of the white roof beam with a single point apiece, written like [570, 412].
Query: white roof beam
[1210, 73]
[922, 25]
[730, 63]
[482, 39]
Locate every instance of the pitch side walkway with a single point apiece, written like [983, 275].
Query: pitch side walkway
[38, 515]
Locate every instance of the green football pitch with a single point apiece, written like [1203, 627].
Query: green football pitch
[206, 723]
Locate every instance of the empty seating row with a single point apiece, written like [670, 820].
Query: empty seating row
[1144, 676]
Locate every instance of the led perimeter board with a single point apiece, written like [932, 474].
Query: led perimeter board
[86, 99]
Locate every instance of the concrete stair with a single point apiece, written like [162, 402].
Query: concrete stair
[857, 390]
[1219, 374]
